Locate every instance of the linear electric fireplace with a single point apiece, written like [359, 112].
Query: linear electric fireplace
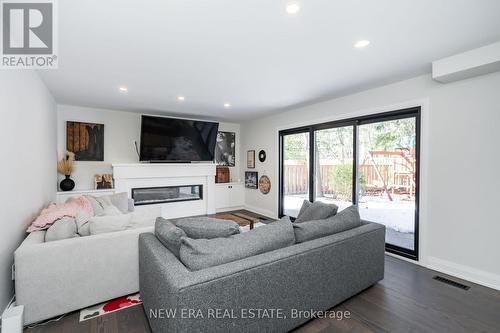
[165, 194]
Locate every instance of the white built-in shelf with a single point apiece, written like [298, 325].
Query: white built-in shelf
[62, 196]
[229, 183]
[110, 190]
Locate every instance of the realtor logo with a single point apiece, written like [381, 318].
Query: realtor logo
[28, 34]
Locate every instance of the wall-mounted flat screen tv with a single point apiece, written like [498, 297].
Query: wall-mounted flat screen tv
[177, 140]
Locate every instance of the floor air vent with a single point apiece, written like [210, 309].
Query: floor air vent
[451, 282]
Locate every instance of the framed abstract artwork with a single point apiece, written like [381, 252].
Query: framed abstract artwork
[85, 140]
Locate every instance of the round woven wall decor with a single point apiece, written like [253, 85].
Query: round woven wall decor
[264, 184]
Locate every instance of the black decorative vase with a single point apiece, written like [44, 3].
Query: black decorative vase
[67, 184]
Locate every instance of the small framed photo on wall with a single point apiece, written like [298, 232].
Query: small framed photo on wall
[251, 159]
[251, 179]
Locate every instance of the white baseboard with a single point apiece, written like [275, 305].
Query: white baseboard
[464, 272]
[261, 211]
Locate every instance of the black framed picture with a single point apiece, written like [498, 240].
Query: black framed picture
[251, 179]
[225, 149]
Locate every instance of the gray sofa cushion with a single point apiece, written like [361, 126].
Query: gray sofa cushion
[198, 254]
[207, 227]
[315, 211]
[346, 219]
[62, 229]
[169, 235]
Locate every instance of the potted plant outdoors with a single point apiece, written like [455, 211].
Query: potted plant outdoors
[65, 167]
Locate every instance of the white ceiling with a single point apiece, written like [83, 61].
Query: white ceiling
[252, 54]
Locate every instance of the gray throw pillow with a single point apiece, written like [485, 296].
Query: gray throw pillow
[316, 211]
[344, 220]
[198, 254]
[62, 229]
[169, 235]
[207, 227]
[303, 208]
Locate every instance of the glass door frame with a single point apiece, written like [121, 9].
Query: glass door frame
[414, 112]
[282, 134]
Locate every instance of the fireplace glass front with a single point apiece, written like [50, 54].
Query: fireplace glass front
[164, 194]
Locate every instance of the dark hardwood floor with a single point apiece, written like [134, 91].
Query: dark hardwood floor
[407, 300]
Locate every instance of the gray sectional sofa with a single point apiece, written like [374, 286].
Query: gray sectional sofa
[261, 293]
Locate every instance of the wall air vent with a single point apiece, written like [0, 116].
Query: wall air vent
[451, 282]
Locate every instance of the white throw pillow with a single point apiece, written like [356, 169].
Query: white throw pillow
[82, 223]
[111, 211]
[113, 223]
[108, 223]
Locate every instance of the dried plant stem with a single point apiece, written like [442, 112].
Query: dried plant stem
[66, 165]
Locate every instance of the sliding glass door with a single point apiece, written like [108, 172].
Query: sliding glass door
[370, 161]
[333, 165]
[387, 175]
[296, 155]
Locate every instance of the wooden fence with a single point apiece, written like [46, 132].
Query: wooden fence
[396, 175]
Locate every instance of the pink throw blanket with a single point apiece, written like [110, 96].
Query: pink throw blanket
[57, 211]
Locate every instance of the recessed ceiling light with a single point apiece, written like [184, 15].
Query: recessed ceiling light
[292, 7]
[123, 89]
[362, 43]
[181, 98]
[227, 105]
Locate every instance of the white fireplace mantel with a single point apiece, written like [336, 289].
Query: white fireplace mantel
[140, 175]
[161, 170]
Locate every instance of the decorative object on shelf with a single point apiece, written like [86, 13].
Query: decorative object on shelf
[103, 181]
[251, 159]
[251, 179]
[222, 175]
[67, 184]
[86, 140]
[262, 156]
[65, 167]
[225, 149]
[264, 184]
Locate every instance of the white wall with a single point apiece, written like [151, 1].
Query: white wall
[28, 168]
[459, 165]
[121, 128]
